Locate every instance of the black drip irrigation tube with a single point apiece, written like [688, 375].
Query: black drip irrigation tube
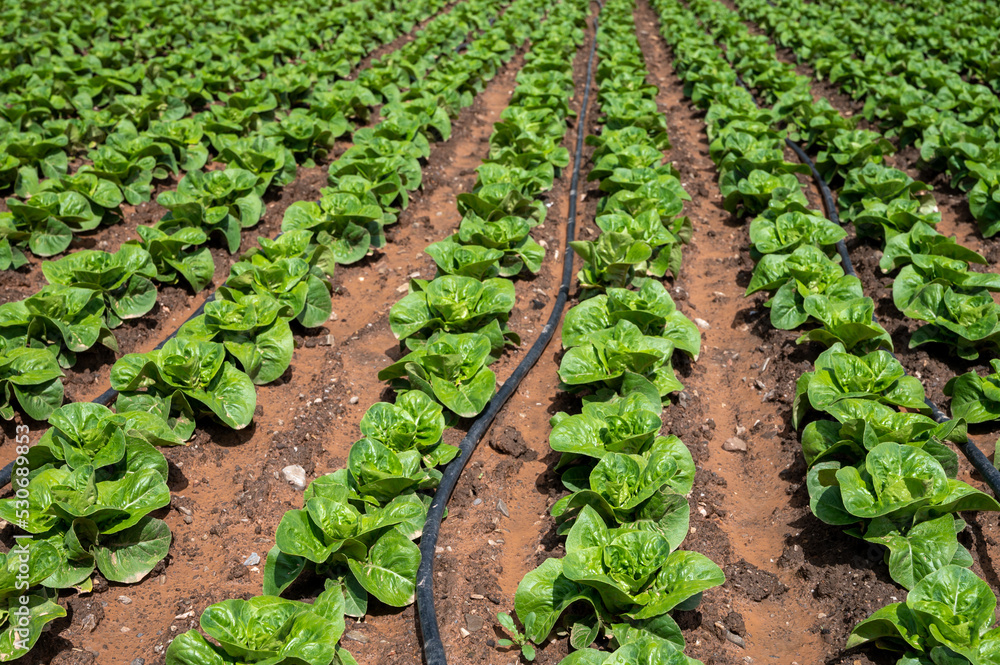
[972, 452]
[968, 447]
[432, 646]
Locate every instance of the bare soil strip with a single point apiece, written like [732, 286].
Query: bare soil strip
[174, 304]
[230, 482]
[795, 586]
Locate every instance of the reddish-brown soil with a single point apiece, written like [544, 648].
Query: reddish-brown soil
[795, 586]
[230, 480]
[175, 304]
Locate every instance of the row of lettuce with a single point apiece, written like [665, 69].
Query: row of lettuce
[962, 34]
[95, 476]
[355, 533]
[920, 100]
[878, 465]
[91, 292]
[285, 110]
[626, 514]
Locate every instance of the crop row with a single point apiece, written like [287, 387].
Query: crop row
[962, 34]
[357, 525]
[880, 466]
[264, 127]
[954, 123]
[627, 513]
[91, 292]
[935, 284]
[94, 481]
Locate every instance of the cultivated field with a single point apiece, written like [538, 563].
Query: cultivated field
[493, 331]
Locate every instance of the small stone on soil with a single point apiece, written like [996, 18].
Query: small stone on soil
[702, 323]
[124, 600]
[735, 444]
[252, 560]
[356, 636]
[473, 623]
[502, 507]
[354, 400]
[295, 475]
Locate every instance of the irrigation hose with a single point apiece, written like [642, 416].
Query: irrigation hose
[968, 447]
[433, 647]
[972, 452]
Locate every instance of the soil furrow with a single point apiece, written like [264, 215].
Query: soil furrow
[792, 587]
[231, 481]
[90, 376]
[498, 527]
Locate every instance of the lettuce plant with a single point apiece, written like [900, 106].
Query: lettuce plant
[974, 398]
[852, 149]
[31, 378]
[966, 323]
[295, 244]
[40, 560]
[253, 332]
[414, 422]
[876, 186]
[946, 617]
[451, 368]
[755, 191]
[217, 202]
[624, 571]
[636, 490]
[64, 319]
[475, 261]
[266, 629]
[610, 261]
[839, 375]
[923, 239]
[847, 321]
[12, 240]
[608, 355]
[342, 221]
[495, 201]
[862, 424]
[121, 278]
[455, 304]
[898, 493]
[984, 198]
[364, 547]
[645, 650]
[301, 289]
[50, 219]
[626, 423]
[784, 233]
[185, 379]
[93, 483]
[509, 235]
[650, 308]
[179, 255]
[265, 158]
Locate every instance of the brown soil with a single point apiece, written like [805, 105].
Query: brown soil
[175, 304]
[231, 480]
[795, 586]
